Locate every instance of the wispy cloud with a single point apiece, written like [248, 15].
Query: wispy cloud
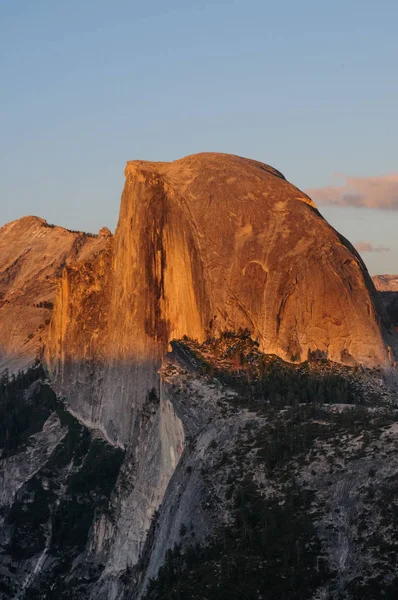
[368, 247]
[368, 192]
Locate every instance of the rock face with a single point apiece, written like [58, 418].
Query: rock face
[50, 488]
[208, 243]
[281, 484]
[32, 256]
[259, 494]
[273, 503]
[204, 245]
[217, 241]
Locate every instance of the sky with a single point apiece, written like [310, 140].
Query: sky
[308, 87]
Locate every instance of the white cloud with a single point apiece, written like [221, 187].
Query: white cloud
[368, 247]
[360, 192]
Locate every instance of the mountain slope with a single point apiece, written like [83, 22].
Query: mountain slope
[387, 286]
[386, 283]
[203, 244]
[215, 241]
[129, 472]
[281, 484]
[32, 256]
[208, 243]
[274, 497]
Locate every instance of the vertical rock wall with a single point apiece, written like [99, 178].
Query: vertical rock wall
[208, 243]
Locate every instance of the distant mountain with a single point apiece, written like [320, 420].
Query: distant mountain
[211, 410]
[386, 283]
[33, 254]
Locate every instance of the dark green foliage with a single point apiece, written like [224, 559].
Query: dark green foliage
[380, 586]
[45, 304]
[25, 404]
[235, 360]
[283, 384]
[54, 509]
[88, 491]
[382, 545]
[95, 468]
[37, 512]
[293, 432]
[271, 551]
[28, 518]
[83, 233]
[287, 436]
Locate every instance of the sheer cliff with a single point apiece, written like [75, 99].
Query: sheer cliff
[203, 244]
[132, 460]
[214, 242]
[279, 480]
[284, 489]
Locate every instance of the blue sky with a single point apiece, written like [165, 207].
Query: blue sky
[309, 87]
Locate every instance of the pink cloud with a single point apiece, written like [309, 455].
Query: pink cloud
[368, 247]
[368, 192]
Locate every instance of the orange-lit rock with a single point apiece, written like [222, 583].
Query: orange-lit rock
[215, 241]
[207, 243]
[32, 256]
[203, 244]
[386, 283]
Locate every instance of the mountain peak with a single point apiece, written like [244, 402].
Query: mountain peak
[208, 171]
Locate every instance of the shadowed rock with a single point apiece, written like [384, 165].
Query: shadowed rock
[208, 243]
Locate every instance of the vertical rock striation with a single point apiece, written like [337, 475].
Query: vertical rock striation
[203, 244]
[209, 243]
[33, 254]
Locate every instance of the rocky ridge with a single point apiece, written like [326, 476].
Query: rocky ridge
[208, 243]
[386, 283]
[292, 496]
[33, 254]
[213, 242]
[277, 484]
[205, 244]
[205, 247]
[387, 286]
